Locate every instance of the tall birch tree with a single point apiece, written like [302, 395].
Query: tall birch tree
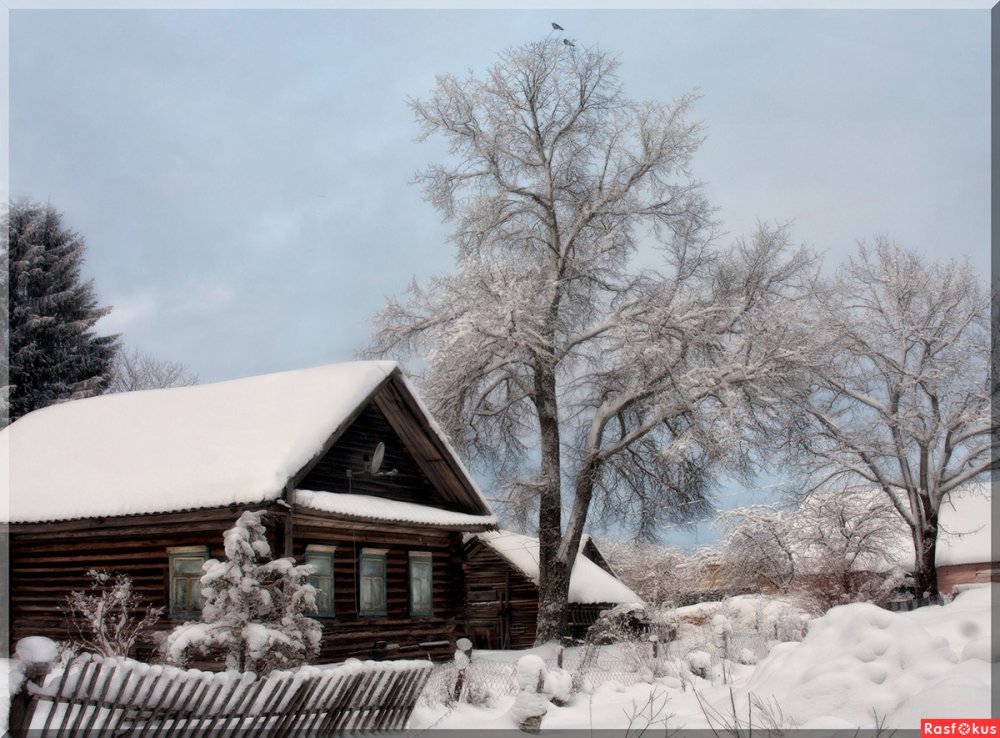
[574, 375]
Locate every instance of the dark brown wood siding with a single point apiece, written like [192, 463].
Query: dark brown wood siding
[350, 634]
[502, 608]
[502, 603]
[48, 561]
[399, 478]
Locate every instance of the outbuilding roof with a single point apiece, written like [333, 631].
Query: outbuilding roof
[588, 583]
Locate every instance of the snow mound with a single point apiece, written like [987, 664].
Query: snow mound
[858, 663]
[950, 697]
[37, 650]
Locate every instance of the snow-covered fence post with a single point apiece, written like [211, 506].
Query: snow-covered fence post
[37, 654]
[531, 702]
[463, 657]
[559, 657]
[655, 640]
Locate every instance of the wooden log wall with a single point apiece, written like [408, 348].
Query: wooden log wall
[349, 634]
[399, 478]
[514, 609]
[502, 604]
[48, 561]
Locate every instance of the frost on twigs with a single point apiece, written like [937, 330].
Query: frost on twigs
[108, 618]
[254, 612]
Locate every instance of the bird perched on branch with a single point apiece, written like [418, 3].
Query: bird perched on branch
[557, 27]
[568, 42]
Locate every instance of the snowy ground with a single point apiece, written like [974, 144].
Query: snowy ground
[858, 666]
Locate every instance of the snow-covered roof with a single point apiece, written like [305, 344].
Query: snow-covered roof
[964, 531]
[366, 507]
[588, 582]
[210, 445]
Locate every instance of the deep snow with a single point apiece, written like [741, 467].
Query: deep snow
[857, 667]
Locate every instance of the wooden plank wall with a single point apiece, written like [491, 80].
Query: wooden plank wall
[348, 634]
[48, 561]
[517, 596]
[353, 452]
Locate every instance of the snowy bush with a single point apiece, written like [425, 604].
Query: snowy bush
[109, 618]
[254, 612]
[699, 663]
[620, 623]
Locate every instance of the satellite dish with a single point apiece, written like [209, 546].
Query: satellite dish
[377, 457]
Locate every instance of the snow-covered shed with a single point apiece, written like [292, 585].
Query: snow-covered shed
[964, 552]
[501, 578]
[354, 476]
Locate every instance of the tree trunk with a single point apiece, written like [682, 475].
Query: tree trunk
[553, 575]
[925, 546]
[553, 602]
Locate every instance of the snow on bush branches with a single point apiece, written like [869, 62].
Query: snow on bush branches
[104, 619]
[254, 608]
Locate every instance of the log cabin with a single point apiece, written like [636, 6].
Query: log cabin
[352, 472]
[501, 578]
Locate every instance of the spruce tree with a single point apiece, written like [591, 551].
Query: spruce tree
[54, 353]
[254, 612]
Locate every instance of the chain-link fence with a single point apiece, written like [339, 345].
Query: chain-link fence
[626, 662]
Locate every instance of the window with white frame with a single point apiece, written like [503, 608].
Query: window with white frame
[185, 566]
[371, 581]
[320, 557]
[421, 583]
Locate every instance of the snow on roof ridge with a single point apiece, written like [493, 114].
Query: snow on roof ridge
[380, 508]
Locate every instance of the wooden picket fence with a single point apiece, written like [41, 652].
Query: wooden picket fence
[122, 697]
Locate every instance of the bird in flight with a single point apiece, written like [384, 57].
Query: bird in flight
[568, 42]
[557, 27]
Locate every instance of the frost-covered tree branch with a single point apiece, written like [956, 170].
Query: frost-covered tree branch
[546, 348]
[899, 391]
[134, 370]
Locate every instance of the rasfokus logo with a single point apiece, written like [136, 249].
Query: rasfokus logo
[959, 726]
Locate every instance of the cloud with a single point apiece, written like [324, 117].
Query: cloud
[128, 312]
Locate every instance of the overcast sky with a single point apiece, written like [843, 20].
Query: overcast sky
[242, 177]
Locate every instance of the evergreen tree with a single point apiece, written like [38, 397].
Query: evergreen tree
[254, 612]
[54, 353]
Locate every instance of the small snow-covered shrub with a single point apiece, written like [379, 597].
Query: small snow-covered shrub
[109, 617]
[558, 686]
[699, 663]
[254, 612]
[620, 623]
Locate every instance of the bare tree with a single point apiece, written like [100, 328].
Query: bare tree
[759, 546]
[546, 347]
[135, 370]
[838, 546]
[849, 544]
[900, 391]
